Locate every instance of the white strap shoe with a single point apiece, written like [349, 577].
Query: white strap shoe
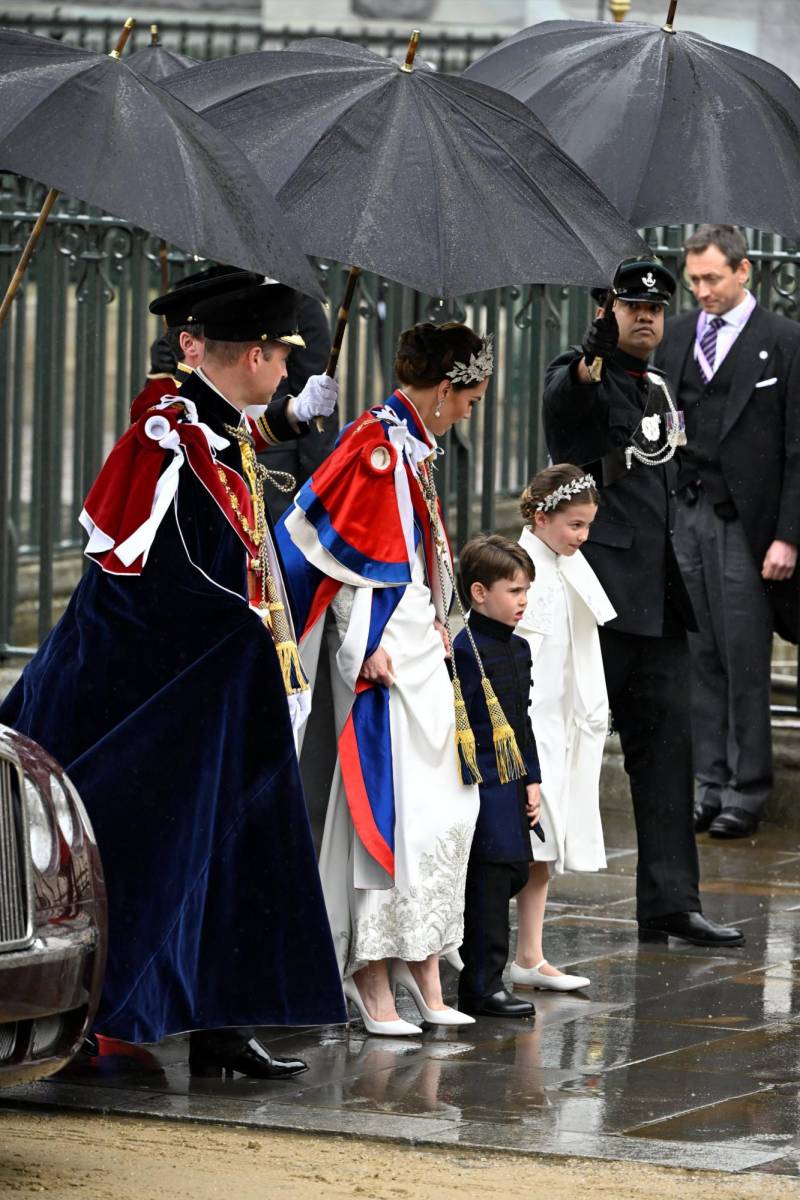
[532, 977]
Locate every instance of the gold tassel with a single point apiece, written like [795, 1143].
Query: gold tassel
[294, 679]
[510, 763]
[466, 749]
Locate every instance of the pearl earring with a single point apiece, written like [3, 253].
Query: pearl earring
[437, 412]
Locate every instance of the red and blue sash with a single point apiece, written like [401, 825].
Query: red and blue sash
[345, 526]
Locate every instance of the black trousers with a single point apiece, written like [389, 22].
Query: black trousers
[490, 887]
[648, 690]
[730, 655]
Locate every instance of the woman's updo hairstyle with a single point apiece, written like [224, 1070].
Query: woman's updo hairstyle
[547, 482]
[426, 352]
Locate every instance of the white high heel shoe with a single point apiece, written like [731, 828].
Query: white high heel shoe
[532, 977]
[396, 1028]
[400, 974]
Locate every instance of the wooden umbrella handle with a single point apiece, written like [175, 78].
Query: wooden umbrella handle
[341, 326]
[673, 8]
[27, 254]
[127, 29]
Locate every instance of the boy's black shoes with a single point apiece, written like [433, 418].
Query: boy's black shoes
[500, 1004]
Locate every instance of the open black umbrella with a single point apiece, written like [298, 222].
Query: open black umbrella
[671, 126]
[88, 125]
[157, 62]
[439, 183]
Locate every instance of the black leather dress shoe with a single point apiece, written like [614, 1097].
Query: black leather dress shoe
[500, 1004]
[733, 823]
[691, 927]
[251, 1058]
[704, 814]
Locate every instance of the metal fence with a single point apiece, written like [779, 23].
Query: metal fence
[213, 39]
[75, 351]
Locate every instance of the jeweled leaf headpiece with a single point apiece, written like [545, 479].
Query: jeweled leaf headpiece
[480, 365]
[565, 492]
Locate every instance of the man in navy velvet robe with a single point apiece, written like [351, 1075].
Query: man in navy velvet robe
[161, 692]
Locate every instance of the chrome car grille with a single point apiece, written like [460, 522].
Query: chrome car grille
[13, 900]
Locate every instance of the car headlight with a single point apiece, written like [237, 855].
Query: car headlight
[66, 821]
[41, 833]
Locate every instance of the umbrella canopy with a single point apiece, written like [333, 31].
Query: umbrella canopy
[156, 62]
[671, 126]
[88, 125]
[441, 184]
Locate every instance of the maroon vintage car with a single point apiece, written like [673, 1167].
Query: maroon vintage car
[53, 929]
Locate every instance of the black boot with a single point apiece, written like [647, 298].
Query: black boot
[210, 1059]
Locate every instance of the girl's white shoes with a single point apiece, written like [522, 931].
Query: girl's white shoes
[532, 977]
[396, 1028]
[401, 976]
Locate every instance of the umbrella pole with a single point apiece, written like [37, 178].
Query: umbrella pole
[595, 369]
[27, 254]
[47, 208]
[673, 8]
[341, 326]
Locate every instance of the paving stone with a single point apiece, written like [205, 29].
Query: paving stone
[675, 1055]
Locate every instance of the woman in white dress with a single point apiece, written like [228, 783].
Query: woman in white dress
[400, 820]
[569, 704]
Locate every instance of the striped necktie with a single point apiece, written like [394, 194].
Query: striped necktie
[708, 342]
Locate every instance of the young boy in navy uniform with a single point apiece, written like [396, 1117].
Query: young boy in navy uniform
[496, 574]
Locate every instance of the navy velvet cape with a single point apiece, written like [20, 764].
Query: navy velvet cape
[162, 697]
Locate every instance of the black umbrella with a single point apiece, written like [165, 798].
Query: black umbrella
[671, 126]
[157, 62]
[439, 183]
[88, 125]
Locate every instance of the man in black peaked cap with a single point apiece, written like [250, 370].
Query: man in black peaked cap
[619, 423]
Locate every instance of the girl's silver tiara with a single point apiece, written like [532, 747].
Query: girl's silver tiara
[479, 367]
[565, 492]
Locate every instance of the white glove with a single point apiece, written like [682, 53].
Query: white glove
[317, 399]
[299, 711]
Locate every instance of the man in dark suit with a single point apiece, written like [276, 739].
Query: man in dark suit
[301, 457]
[735, 368]
[623, 429]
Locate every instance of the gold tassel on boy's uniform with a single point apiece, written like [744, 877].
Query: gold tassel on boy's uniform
[264, 595]
[510, 763]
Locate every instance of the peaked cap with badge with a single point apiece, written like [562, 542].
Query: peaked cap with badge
[640, 279]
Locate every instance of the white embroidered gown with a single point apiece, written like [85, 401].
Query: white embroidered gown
[423, 913]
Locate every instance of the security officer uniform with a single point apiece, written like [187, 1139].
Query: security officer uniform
[624, 430]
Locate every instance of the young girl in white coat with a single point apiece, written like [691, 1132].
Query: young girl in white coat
[569, 704]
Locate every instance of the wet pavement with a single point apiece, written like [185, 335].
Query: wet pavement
[673, 1056]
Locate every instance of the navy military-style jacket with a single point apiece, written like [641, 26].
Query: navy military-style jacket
[502, 833]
